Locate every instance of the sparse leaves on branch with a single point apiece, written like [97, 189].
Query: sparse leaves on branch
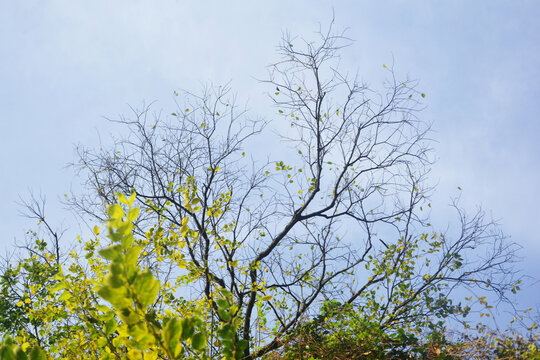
[234, 255]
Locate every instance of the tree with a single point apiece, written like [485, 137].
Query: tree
[31, 274]
[282, 231]
[263, 244]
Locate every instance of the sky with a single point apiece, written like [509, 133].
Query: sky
[66, 66]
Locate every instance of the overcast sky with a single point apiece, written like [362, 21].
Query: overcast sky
[65, 65]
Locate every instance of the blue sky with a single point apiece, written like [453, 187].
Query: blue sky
[65, 65]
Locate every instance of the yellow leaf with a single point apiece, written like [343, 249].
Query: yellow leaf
[267, 297]
[134, 354]
[96, 230]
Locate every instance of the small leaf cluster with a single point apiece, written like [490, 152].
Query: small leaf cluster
[77, 324]
[9, 350]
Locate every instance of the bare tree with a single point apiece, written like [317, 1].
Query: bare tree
[340, 219]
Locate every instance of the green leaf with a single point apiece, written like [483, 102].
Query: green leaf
[116, 276]
[101, 342]
[146, 288]
[110, 326]
[133, 214]
[20, 355]
[115, 211]
[226, 333]
[222, 303]
[37, 354]
[124, 228]
[198, 341]
[226, 293]
[111, 252]
[224, 314]
[66, 295]
[58, 287]
[171, 336]
[6, 353]
[117, 297]
[187, 329]
[242, 345]
[132, 255]
[131, 318]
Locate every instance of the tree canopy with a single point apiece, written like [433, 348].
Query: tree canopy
[210, 250]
